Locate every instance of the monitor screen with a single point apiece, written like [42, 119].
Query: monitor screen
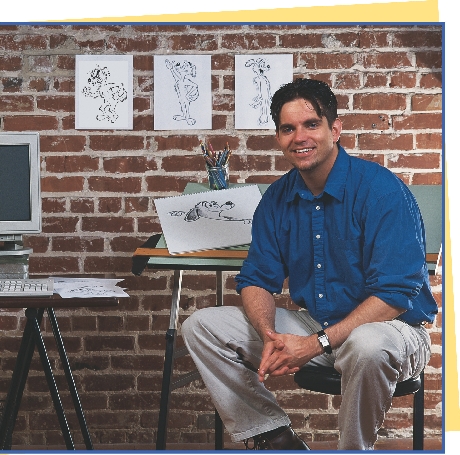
[20, 202]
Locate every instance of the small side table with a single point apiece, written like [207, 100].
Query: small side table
[32, 336]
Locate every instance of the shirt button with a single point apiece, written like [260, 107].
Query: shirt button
[318, 236]
[320, 296]
[318, 266]
[326, 324]
[318, 207]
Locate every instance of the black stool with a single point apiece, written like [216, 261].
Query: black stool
[328, 380]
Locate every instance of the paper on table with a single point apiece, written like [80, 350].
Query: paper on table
[208, 220]
[88, 287]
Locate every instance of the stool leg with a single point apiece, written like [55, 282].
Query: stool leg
[219, 432]
[419, 410]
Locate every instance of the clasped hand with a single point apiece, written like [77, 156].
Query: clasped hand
[284, 354]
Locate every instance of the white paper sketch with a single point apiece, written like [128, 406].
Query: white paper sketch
[104, 92]
[257, 77]
[182, 92]
[208, 220]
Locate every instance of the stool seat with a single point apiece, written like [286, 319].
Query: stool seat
[328, 380]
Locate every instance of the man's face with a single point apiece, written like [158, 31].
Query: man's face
[306, 139]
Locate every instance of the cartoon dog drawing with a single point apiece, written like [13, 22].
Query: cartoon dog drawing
[264, 97]
[111, 94]
[186, 89]
[212, 210]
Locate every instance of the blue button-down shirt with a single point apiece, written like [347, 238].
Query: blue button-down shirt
[362, 236]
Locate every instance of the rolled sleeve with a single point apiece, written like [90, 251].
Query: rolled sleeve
[263, 267]
[394, 250]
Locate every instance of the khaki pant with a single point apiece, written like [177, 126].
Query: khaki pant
[227, 350]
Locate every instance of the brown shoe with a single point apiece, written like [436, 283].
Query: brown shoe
[286, 440]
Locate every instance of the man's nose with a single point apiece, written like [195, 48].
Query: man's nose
[301, 134]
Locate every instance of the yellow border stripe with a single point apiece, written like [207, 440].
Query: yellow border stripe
[411, 11]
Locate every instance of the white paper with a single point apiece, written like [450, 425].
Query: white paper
[208, 220]
[182, 92]
[104, 92]
[88, 287]
[257, 78]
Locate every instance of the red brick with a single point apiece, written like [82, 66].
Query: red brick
[61, 185]
[78, 244]
[386, 60]
[248, 41]
[61, 164]
[30, 123]
[129, 45]
[418, 38]
[190, 41]
[415, 161]
[15, 103]
[56, 103]
[417, 121]
[373, 80]
[61, 144]
[385, 141]
[10, 62]
[59, 224]
[427, 102]
[300, 40]
[429, 141]
[403, 80]
[365, 121]
[123, 165]
[380, 101]
[107, 224]
[429, 59]
[116, 142]
[113, 184]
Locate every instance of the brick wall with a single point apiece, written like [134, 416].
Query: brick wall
[98, 188]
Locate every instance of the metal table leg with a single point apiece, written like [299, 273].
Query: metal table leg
[31, 315]
[70, 379]
[18, 382]
[169, 362]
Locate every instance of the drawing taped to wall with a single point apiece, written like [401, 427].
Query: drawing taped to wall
[104, 92]
[257, 77]
[182, 92]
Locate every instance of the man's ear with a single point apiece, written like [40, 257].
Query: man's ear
[336, 129]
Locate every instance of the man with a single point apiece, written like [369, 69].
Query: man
[348, 235]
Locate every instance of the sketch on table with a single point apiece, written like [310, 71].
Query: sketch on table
[211, 210]
[209, 219]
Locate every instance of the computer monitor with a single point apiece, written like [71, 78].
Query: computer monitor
[20, 201]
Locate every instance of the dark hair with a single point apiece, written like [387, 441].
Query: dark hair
[317, 92]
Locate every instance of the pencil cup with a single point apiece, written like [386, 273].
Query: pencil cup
[218, 177]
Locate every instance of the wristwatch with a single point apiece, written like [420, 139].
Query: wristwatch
[324, 341]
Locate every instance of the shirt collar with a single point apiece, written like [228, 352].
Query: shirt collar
[335, 184]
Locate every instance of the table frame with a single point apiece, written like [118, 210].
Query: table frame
[31, 338]
[180, 264]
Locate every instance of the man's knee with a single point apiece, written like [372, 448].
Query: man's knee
[369, 344]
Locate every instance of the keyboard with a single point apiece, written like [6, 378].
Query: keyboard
[27, 287]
